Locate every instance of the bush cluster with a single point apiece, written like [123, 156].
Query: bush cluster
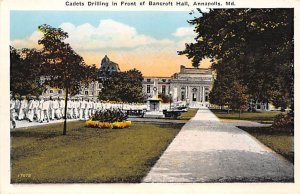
[284, 121]
[109, 116]
[106, 125]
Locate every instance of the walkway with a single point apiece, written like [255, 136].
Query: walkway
[208, 150]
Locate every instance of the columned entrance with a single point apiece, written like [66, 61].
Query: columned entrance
[194, 94]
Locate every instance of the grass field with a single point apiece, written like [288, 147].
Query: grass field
[189, 114]
[280, 142]
[264, 117]
[88, 155]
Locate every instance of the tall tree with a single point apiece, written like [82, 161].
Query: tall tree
[64, 68]
[255, 46]
[25, 71]
[123, 87]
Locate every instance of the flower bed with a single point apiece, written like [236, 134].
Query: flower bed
[105, 125]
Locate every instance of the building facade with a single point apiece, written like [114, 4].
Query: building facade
[190, 86]
[161, 84]
[91, 90]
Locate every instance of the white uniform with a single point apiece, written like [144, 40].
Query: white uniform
[55, 107]
[23, 109]
[82, 109]
[51, 111]
[30, 112]
[62, 107]
[76, 108]
[12, 113]
[70, 109]
[45, 110]
[36, 110]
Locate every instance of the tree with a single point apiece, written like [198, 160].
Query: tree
[25, 71]
[165, 98]
[64, 68]
[123, 87]
[254, 46]
[239, 100]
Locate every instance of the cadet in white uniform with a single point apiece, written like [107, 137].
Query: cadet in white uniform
[30, 112]
[12, 111]
[69, 109]
[61, 107]
[45, 110]
[23, 107]
[36, 112]
[76, 108]
[51, 110]
[55, 106]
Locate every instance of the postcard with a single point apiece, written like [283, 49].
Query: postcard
[147, 96]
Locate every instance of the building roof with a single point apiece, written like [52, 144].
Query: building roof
[108, 66]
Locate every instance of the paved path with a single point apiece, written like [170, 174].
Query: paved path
[208, 150]
[27, 124]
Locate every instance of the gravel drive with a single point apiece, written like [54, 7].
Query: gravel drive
[208, 150]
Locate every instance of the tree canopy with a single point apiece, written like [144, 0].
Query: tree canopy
[123, 87]
[63, 67]
[25, 71]
[254, 47]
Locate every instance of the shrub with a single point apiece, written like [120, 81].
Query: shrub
[106, 125]
[109, 115]
[109, 118]
[284, 121]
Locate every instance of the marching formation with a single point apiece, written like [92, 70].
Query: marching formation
[45, 109]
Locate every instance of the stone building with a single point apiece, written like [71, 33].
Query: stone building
[91, 90]
[161, 84]
[107, 67]
[190, 86]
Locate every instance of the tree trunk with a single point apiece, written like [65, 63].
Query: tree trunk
[66, 107]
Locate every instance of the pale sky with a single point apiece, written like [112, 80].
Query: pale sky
[147, 41]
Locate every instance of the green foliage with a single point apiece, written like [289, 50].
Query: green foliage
[123, 87]
[63, 66]
[252, 46]
[277, 139]
[284, 121]
[239, 98]
[25, 71]
[109, 115]
[165, 98]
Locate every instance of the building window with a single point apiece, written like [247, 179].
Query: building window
[60, 91]
[164, 80]
[163, 89]
[148, 80]
[148, 89]
[86, 92]
[182, 96]
[51, 91]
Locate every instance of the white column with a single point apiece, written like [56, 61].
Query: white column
[186, 92]
[199, 94]
[203, 95]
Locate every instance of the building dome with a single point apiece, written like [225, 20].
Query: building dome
[108, 67]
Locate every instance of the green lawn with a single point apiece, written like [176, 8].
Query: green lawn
[42, 155]
[88, 154]
[280, 142]
[264, 117]
[189, 114]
